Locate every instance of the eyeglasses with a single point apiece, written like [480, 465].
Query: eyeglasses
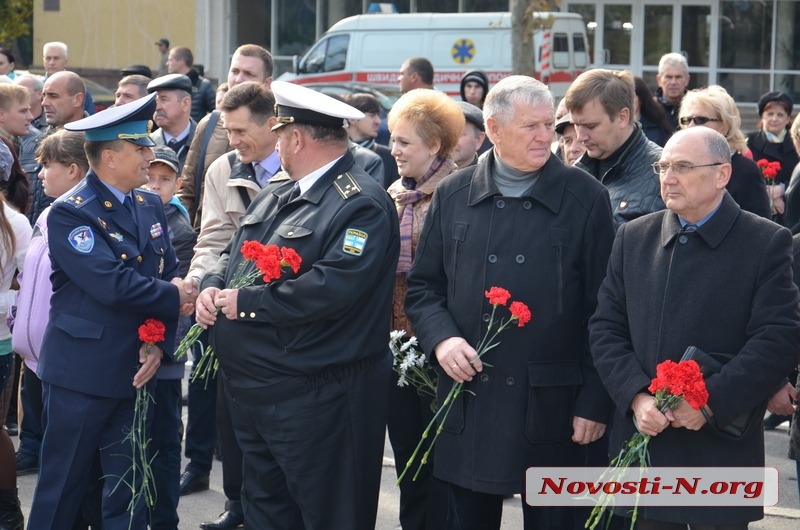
[698, 120]
[679, 168]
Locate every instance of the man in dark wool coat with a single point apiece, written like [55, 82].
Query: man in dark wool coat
[702, 273]
[522, 220]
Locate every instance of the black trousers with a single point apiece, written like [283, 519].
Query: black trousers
[423, 502]
[314, 461]
[644, 524]
[470, 510]
[231, 452]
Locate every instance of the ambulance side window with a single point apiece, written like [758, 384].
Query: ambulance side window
[579, 49]
[327, 56]
[560, 50]
[337, 53]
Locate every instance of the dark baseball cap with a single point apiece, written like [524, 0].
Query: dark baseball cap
[166, 156]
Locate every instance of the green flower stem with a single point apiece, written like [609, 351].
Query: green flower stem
[448, 403]
[486, 344]
[634, 453]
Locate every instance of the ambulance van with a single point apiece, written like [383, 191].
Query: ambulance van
[371, 49]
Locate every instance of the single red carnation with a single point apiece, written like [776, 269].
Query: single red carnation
[291, 258]
[152, 331]
[497, 296]
[251, 250]
[520, 312]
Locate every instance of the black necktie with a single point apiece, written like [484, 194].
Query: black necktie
[175, 145]
[129, 205]
[289, 196]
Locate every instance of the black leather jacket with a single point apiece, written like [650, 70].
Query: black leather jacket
[632, 186]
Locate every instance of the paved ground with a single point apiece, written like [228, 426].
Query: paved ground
[205, 506]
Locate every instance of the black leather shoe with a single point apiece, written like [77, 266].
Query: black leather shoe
[226, 521]
[27, 464]
[192, 482]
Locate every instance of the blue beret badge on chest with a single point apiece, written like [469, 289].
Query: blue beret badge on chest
[354, 241]
[82, 239]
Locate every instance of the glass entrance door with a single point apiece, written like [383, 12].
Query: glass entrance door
[677, 26]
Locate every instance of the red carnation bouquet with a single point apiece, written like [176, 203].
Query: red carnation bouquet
[674, 382]
[151, 332]
[265, 261]
[519, 315]
[769, 170]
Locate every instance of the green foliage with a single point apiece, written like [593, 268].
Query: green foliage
[15, 19]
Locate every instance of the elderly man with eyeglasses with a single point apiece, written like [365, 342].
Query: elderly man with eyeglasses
[668, 287]
[618, 153]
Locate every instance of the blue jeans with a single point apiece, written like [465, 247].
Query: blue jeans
[30, 430]
[165, 442]
[6, 371]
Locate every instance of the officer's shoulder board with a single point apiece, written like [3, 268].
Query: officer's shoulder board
[138, 192]
[346, 185]
[79, 196]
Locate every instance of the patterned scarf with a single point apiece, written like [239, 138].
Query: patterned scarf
[405, 199]
[774, 138]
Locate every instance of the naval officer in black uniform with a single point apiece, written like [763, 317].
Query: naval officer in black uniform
[112, 265]
[305, 358]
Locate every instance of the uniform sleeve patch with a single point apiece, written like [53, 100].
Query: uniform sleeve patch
[354, 241]
[82, 239]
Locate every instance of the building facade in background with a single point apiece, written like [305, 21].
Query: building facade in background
[749, 47]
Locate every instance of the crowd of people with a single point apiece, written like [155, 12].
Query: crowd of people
[587, 212]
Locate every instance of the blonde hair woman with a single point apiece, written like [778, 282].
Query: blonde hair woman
[714, 108]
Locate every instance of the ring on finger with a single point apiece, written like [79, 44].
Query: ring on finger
[454, 366]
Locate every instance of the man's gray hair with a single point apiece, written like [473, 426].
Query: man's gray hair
[515, 89]
[673, 59]
[37, 80]
[60, 46]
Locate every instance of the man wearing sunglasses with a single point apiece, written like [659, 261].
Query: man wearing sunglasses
[618, 153]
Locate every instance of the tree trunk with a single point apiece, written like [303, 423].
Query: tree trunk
[522, 54]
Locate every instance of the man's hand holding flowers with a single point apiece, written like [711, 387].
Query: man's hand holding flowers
[150, 359]
[458, 359]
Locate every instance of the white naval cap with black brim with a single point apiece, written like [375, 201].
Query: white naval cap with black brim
[132, 122]
[298, 104]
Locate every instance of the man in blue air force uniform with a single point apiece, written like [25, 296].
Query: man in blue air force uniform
[112, 266]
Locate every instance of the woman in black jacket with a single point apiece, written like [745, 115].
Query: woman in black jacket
[773, 142]
[650, 114]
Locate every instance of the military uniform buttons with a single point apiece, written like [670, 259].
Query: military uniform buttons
[510, 381]
[252, 315]
[290, 234]
[501, 203]
[124, 256]
[241, 315]
[492, 258]
[520, 258]
[484, 378]
[683, 239]
[139, 259]
[486, 317]
[527, 205]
